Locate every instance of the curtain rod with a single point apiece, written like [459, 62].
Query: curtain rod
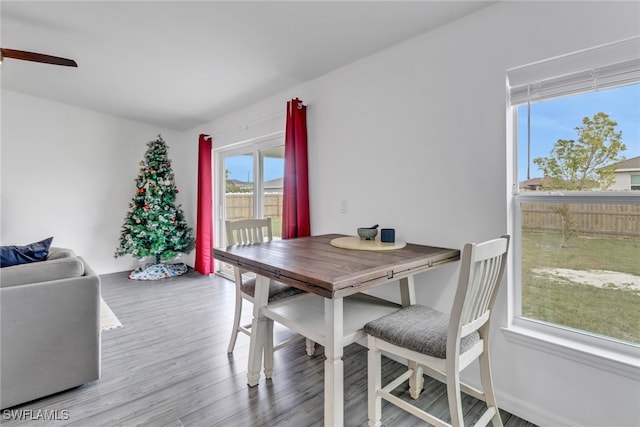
[245, 126]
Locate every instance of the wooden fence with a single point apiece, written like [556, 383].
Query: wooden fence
[591, 220]
[602, 220]
[240, 205]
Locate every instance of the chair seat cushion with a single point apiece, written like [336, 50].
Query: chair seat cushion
[418, 328]
[277, 291]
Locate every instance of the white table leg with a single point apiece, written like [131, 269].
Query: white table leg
[268, 350]
[333, 365]
[258, 330]
[408, 297]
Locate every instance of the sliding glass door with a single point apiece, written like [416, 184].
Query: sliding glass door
[239, 185]
[272, 178]
[251, 179]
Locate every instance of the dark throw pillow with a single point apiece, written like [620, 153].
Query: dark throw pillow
[14, 255]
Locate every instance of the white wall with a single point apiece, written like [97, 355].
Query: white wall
[69, 173]
[429, 115]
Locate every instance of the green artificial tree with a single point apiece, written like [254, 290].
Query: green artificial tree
[154, 226]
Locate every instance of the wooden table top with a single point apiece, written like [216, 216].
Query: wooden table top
[314, 265]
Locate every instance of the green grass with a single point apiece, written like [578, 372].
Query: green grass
[610, 312]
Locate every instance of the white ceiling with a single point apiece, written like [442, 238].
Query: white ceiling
[178, 64]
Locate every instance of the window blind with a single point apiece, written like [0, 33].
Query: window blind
[607, 66]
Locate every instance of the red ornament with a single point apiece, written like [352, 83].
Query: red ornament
[168, 165]
[173, 219]
[177, 191]
[140, 190]
[146, 207]
[151, 170]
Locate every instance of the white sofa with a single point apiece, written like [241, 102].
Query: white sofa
[49, 327]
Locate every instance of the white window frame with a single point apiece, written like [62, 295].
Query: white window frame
[254, 146]
[560, 77]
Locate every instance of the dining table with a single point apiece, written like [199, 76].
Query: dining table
[333, 309]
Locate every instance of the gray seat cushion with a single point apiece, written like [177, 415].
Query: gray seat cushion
[277, 290]
[418, 328]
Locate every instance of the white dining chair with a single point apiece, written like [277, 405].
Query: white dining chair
[441, 344]
[248, 232]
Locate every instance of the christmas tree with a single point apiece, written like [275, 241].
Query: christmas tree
[154, 225]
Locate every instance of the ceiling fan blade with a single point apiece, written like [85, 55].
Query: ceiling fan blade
[37, 57]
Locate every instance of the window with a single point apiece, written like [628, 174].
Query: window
[576, 224]
[246, 197]
[249, 181]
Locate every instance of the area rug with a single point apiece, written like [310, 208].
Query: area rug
[108, 319]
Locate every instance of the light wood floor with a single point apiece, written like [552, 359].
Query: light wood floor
[168, 366]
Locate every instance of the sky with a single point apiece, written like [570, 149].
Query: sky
[241, 168]
[557, 119]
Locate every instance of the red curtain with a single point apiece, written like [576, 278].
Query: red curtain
[204, 229]
[295, 200]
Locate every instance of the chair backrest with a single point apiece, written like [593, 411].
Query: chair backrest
[481, 272]
[248, 231]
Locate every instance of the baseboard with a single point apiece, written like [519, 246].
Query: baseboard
[531, 413]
